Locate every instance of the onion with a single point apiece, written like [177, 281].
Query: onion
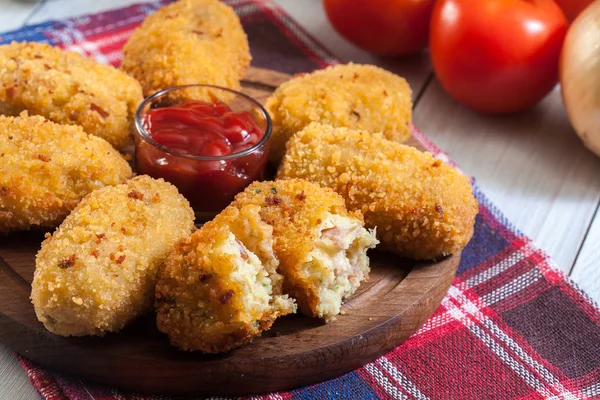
[580, 76]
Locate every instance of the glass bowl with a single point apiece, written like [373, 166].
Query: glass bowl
[208, 182]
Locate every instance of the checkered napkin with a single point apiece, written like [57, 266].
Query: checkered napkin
[512, 325]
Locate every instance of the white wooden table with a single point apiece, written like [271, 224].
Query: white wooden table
[531, 165]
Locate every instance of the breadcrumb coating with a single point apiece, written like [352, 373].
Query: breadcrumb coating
[97, 272]
[68, 88]
[215, 293]
[354, 96]
[422, 208]
[188, 42]
[297, 211]
[47, 168]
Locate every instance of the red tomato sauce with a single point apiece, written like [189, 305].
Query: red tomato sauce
[198, 128]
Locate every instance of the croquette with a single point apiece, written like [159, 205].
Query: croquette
[422, 208]
[47, 168]
[98, 271]
[321, 246]
[188, 42]
[215, 293]
[354, 96]
[68, 88]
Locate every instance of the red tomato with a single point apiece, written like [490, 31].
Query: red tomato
[384, 27]
[572, 8]
[497, 56]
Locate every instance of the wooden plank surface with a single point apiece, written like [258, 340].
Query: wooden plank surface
[14, 383]
[586, 271]
[14, 13]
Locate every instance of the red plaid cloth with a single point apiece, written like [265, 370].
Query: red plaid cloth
[512, 325]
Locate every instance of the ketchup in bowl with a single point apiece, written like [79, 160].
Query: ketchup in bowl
[210, 150]
[197, 128]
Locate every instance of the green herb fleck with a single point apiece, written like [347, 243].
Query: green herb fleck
[257, 191]
[273, 190]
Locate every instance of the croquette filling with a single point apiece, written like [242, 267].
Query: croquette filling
[257, 237]
[250, 274]
[338, 262]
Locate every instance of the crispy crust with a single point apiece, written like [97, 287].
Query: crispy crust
[98, 270]
[422, 208]
[295, 210]
[68, 88]
[46, 169]
[354, 96]
[199, 304]
[188, 42]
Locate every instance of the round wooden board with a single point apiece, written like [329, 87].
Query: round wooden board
[398, 298]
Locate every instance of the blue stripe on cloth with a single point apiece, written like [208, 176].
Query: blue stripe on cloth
[492, 234]
[350, 386]
[485, 243]
[30, 33]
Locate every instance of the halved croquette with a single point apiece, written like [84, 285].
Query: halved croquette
[321, 246]
[215, 293]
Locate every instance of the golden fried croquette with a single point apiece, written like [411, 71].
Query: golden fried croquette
[98, 270]
[321, 246]
[188, 42]
[422, 208]
[354, 96]
[68, 88]
[47, 168]
[215, 293]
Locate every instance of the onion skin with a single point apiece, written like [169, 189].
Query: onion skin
[580, 76]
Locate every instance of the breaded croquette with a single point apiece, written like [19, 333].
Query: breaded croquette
[188, 42]
[215, 293]
[321, 246]
[68, 88]
[421, 207]
[97, 272]
[354, 96]
[47, 168]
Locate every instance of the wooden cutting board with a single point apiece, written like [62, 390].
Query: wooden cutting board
[398, 298]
